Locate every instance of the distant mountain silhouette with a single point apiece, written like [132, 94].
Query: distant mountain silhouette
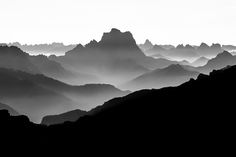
[146, 46]
[171, 76]
[220, 61]
[9, 109]
[37, 95]
[196, 116]
[187, 52]
[46, 49]
[71, 116]
[115, 58]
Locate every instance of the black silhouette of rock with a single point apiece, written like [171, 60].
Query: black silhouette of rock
[71, 116]
[9, 109]
[176, 118]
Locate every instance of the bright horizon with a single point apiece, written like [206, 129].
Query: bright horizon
[161, 21]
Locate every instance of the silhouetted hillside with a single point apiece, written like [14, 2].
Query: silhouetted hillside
[71, 116]
[37, 95]
[9, 109]
[196, 116]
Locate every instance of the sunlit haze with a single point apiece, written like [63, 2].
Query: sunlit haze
[79, 21]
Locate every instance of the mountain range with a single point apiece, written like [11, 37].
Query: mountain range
[187, 52]
[172, 75]
[115, 59]
[177, 118]
[43, 96]
[46, 49]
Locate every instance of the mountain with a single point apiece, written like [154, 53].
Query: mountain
[55, 70]
[45, 96]
[156, 50]
[229, 47]
[209, 51]
[171, 76]
[71, 116]
[200, 62]
[14, 58]
[46, 49]
[146, 46]
[187, 52]
[114, 59]
[196, 116]
[220, 61]
[9, 109]
[183, 52]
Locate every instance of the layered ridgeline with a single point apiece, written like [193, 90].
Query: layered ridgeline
[115, 59]
[220, 61]
[46, 49]
[186, 116]
[172, 75]
[36, 95]
[183, 52]
[14, 58]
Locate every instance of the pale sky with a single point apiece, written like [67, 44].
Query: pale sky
[79, 21]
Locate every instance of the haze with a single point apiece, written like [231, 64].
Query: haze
[77, 21]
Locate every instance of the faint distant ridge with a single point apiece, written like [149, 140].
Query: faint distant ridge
[46, 49]
[186, 52]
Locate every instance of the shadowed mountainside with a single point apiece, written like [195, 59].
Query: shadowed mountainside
[43, 96]
[194, 116]
[71, 116]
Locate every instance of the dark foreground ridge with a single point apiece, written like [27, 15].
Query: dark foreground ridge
[197, 115]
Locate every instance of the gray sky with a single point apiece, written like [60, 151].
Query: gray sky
[79, 21]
